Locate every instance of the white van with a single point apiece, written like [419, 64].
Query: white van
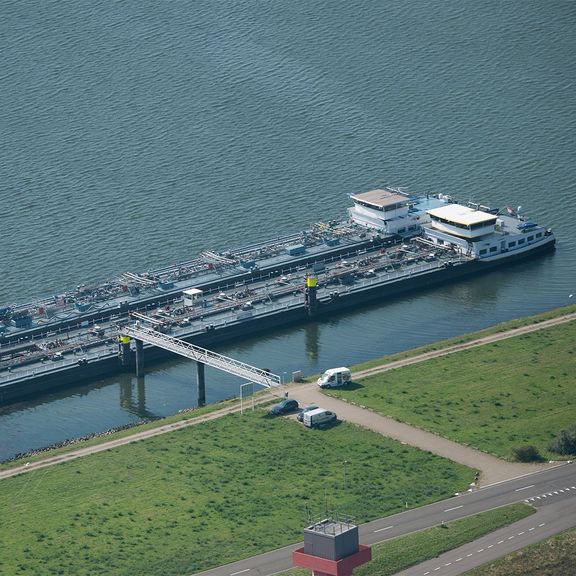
[318, 417]
[335, 377]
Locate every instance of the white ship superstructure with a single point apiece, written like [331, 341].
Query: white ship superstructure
[472, 230]
[483, 235]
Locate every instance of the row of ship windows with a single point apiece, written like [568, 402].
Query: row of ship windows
[511, 244]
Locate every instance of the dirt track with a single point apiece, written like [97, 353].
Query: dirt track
[491, 468]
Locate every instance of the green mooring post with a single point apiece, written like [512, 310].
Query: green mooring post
[201, 384]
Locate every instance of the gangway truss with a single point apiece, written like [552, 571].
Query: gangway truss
[213, 359]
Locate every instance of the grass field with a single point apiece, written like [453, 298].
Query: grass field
[555, 556]
[495, 397]
[401, 553]
[206, 495]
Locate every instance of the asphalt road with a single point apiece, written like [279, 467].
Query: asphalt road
[552, 491]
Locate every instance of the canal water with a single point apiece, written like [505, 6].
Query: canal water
[138, 134]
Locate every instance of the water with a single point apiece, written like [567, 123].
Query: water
[136, 134]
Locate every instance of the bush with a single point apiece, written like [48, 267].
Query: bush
[526, 453]
[565, 442]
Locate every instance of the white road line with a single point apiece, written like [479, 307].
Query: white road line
[530, 529]
[481, 550]
[543, 524]
[455, 508]
[510, 537]
[468, 555]
[525, 488]
[520, 533]
[500, 542]
[458, 559]
[556, 492]
[449, 564]
[425, 573]
[381, 529]
[491, 546]
[437, 568]
[240, 572]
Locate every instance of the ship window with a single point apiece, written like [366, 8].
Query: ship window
[493, 248]
[530, 238]
[482, 252]
[521, 241]
[539, 235]
[512, 244]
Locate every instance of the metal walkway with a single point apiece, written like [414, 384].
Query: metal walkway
[250, 373]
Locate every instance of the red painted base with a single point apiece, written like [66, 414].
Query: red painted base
[324, 567]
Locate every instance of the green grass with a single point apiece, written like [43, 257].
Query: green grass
[206, 495]
[496, 329]
[398, 554]
[555, 556]
[495, 397]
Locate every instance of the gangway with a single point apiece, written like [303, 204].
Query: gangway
[202, 355]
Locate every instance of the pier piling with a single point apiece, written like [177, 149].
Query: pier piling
[201, 384]
[139, 358]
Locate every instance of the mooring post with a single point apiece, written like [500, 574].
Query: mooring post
[310, 299]
[139, 358]
[125, 352]
[201, 383]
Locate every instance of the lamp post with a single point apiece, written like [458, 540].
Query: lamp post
[345, 463]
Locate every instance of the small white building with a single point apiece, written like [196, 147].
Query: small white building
[193, 297]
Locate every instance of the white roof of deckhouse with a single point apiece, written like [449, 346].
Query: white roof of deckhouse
[462, 215]
[380, 198]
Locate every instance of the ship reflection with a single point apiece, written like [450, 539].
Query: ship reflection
[312, 340]
[133, 396]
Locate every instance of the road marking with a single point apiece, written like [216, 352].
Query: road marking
[455, 508]
[510, 537]
[481, 550]
[525, 488]
[520, 533]
[500, 541]
[426, 572]
[543, 524]
[449, 564]
[491, 546]
[240, 572]
[437, 568]
[530, 529]
[387, 528]
[468, 555]
[458, 559]
[556, 492]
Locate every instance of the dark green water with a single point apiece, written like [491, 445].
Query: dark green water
[136, 134]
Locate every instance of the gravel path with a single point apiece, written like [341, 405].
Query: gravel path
[491, 468]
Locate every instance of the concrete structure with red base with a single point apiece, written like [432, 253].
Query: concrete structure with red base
[331, 548]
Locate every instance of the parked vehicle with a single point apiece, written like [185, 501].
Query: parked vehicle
[286, 406]
[335, 377]
[300, 415]
[318, 418]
